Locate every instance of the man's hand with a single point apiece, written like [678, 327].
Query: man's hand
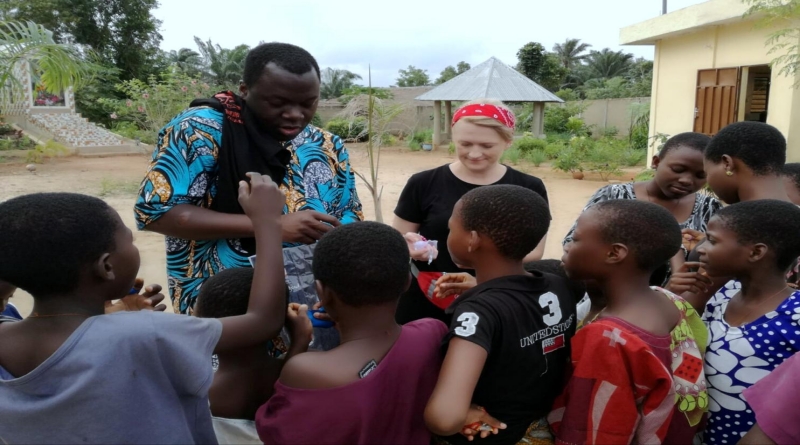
[261, 199]
[150, 300]
[689, 278]
[454, 284]
[307, 226]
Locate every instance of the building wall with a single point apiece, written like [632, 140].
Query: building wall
[606, 113]
[677, 60]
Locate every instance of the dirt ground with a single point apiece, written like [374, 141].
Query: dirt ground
[116, 179]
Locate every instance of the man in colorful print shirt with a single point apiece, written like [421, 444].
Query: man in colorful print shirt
[190, 191]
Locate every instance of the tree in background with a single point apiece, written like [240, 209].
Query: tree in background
[784, 16]
[123, 33]
[607, 64]
[336, 81]
[413, 77]
[450, 72]
[58, 66]
[540, 66]
[186, 60]
[571, 53]
[222, 66]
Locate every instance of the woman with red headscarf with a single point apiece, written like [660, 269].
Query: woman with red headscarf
[482, 131]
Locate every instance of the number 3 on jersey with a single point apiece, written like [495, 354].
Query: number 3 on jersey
[468, 322]
[550, 301]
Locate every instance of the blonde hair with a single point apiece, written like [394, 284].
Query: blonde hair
[506, 133]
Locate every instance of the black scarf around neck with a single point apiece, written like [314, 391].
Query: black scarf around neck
[246, 147]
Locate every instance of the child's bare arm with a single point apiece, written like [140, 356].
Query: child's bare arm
[300, 329]
[447, 409]
[263, 203]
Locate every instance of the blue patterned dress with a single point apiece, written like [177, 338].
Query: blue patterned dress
[183, 170]
[738, 357]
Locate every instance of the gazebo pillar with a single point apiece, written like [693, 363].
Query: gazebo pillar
[448, 117]
[537, 121]
[437, 123]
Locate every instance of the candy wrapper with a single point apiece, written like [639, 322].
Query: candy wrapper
[432, 247]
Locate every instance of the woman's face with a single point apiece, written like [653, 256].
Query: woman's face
[478, 148]
[723, 185]
[680, 172]
[722, 254]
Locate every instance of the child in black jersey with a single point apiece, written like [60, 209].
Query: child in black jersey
[509, 336]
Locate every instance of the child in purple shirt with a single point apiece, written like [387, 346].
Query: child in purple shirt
[774, 400]
[373, 387]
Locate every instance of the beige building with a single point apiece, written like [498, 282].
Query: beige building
[711, 69]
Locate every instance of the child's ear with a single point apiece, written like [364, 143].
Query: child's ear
[757, 252]
[617, 254]
[103, 268]
[474, 241]
[322, 293]
[408, 283]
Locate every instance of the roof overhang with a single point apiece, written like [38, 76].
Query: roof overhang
[684, 21]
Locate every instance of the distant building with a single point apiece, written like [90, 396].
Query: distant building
[712, 69]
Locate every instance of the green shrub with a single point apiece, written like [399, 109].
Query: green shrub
[605, 158]
[631, 157]
[610, 132]
[536, 157]
[388, 140]
[40, 152]
[576, 126]
[570, 160]
[512, 156]
[554, 149]
[418, 138]
[582, 144]
[354, 130]
[528, 144]
[451, 148]
[15, 143]
[556, 117]
[6, 128]
[645, 175]
[131, 130]
[316, 120]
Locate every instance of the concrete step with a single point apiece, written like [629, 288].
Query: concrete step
[100, 151]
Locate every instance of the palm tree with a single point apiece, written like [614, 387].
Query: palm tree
[607, 64]
[335, 81]
[186, 60]
[59, 66]
[222, 66]
[571, 52]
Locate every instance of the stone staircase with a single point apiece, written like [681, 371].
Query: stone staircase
[87, 139]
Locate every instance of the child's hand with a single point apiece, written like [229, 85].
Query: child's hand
[478, 421]
[454, 284]
[689, 278]
[691, 238]
[150, 300]
[261, 198]
[324, 316]
[299, 325]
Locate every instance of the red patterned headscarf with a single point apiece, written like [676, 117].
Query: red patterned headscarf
[500, 114]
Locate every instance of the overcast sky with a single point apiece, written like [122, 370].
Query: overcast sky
[428, 34]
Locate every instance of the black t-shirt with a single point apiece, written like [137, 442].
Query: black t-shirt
[428, 200]
[525, 323]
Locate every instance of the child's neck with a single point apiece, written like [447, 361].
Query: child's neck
[357, 323]
[762, 284]
[763, 187]
[74, 303]
[623, 289]
[498, 267]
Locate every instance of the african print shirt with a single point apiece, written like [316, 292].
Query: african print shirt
[705, 206]
[183, 170]
[630, 386]
[738, 357]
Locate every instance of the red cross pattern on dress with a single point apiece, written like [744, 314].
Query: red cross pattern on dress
[615, 337]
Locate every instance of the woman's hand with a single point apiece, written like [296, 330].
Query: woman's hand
[150, 300]
[689, 278]
[479, 422]
[453, 284]
[429, 252]
[691, 238]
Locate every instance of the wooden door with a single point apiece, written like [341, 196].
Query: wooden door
[716, 103]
